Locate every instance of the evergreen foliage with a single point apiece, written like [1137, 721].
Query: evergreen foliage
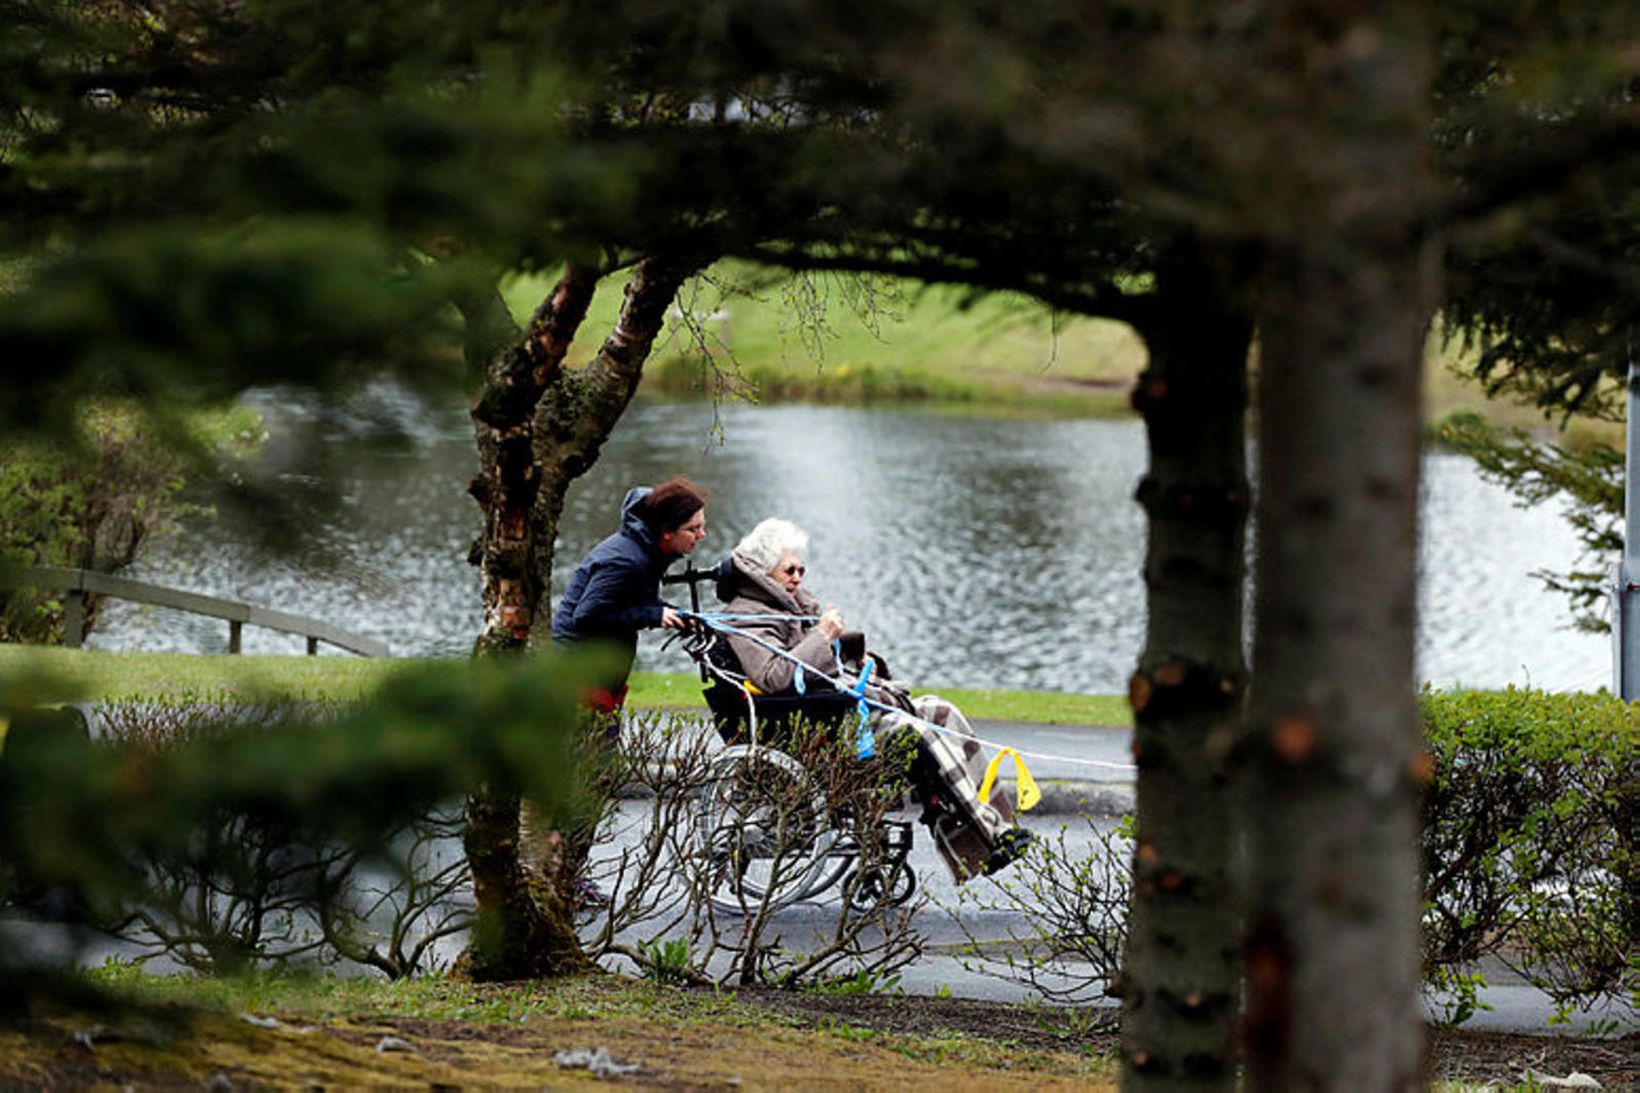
[96, 832]
[1588, 481]
[1543, 274]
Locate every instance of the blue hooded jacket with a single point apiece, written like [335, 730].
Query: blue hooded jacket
[616, 590]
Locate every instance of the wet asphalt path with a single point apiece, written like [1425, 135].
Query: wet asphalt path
[1092, 763]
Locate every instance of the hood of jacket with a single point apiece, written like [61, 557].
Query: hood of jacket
[632, 525]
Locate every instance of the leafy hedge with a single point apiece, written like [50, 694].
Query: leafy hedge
[95, 502]
[1531, 821]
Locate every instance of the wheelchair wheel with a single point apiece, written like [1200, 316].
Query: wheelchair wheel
[763, 826]
[870, 888]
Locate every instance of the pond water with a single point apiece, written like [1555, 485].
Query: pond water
[975, 552]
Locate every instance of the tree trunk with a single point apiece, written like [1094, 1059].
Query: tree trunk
[579, 411]
[1332, 948]
[539, 427]
[509, 478]
[1180, 982]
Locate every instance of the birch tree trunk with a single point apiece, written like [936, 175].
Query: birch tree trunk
[540, 426]
[1332, 950]
[1180, 985]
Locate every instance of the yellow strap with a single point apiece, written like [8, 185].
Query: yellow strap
[1029, 795]
[751, 688]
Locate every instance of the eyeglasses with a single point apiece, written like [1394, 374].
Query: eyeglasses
[793, 570]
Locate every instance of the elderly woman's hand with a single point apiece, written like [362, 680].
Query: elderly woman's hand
[831, 623]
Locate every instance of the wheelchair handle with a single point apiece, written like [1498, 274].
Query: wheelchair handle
[693, 578]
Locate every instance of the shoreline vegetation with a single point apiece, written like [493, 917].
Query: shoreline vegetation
[749, 335]
[103, 675]
[744, 334]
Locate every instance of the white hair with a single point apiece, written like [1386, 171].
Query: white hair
[767, 543]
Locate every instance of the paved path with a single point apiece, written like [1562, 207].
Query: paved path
[1089, 770]
[951, 920]
[1079, 801]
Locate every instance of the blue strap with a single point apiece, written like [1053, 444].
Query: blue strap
[721, 616]
[865, 740]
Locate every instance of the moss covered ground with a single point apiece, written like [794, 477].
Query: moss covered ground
[296, 1032]
[439, 1032]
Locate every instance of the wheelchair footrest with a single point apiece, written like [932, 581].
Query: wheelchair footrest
[897, 839]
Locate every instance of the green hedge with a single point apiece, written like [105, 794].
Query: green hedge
[1530, 826]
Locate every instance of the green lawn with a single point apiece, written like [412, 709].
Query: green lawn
[93, 674]
[826, 338]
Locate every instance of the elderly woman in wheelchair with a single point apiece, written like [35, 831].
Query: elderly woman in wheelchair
[775, 657]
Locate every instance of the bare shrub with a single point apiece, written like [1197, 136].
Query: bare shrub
[394, 916]
[254, 890]
[1075, 908]
[869, 928]
[728, 839]
[657, 769]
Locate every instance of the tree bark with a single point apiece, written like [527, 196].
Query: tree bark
[509, 479]
[539, 426]
[1180, 982]
[578, 412]
[1332, 947]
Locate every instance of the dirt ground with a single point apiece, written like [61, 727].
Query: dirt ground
[677, 1039]
[1454, 1054]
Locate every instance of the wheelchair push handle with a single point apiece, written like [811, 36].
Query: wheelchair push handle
[693, 577]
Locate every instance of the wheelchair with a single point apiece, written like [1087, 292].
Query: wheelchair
[771, 836]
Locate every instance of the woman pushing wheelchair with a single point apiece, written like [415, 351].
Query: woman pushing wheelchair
[786, 643]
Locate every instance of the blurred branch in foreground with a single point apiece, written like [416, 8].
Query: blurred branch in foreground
[94, 832]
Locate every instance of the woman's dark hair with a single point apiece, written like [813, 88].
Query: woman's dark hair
[671, 504]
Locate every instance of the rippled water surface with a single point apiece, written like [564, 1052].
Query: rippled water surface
[975, 552]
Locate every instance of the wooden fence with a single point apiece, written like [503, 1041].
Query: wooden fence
[78, 583]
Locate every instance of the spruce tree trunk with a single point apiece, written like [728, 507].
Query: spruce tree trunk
[540, 426]
[1180, 982]
[1332, 949]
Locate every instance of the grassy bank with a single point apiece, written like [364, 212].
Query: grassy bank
[829, 339]
[94, 674]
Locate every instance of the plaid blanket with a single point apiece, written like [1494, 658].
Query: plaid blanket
[966, 830]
